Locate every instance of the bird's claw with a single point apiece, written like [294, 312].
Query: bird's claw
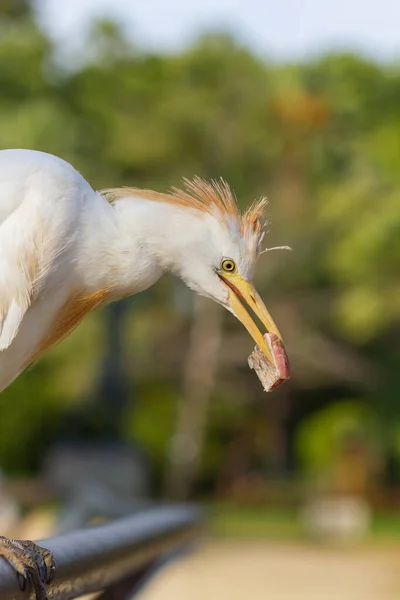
[31, 562]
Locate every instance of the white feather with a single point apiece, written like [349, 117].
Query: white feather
[11, 323]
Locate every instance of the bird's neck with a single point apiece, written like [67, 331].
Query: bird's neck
[132, 243]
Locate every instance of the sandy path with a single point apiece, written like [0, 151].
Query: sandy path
[235, 570]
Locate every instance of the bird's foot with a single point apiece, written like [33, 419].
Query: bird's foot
[31, 562]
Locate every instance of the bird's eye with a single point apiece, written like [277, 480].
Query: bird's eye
[228, 265]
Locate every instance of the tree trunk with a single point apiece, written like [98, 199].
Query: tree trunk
[199, 376]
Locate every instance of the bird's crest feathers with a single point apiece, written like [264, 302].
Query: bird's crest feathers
[214, 197]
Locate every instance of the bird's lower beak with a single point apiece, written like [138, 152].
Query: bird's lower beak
[243, 292]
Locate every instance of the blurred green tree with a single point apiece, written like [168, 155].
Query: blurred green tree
[320, 137]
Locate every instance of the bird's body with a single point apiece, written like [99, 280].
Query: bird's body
[66, 250]
[41, 201]
[62, 253]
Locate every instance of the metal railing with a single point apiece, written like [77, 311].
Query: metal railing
[113, 558]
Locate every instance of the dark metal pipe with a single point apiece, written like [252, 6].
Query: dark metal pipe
[95, 558]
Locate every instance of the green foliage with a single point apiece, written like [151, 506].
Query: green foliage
[321, 139]
[320, 438]
[29, 412]
[230, 521]
[151, 422]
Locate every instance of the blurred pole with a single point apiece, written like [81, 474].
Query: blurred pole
[199, 377]
[114, 386]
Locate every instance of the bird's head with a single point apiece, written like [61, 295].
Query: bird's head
[202, 237]
[216, 250]
[220, 261]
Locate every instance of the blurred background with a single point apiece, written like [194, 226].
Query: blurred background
[153, 397]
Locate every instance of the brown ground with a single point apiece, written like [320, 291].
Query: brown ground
[238, 570]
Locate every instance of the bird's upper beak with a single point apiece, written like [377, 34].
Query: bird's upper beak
[243, 292]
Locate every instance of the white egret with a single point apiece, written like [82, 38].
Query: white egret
[66, 249]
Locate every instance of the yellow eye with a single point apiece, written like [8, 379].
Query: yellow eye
[228, 265]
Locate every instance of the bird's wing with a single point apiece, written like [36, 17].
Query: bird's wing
[41, 198]
[22, 260]
[17, 272]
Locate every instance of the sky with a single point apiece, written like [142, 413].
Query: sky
[282, 29]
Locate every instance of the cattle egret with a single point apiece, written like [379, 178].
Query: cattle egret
[66, 250]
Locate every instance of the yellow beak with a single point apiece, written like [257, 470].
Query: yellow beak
[241, 291]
